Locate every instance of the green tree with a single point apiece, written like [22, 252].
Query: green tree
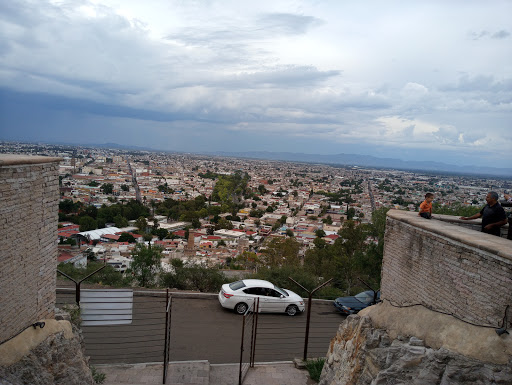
[162, 233]
[145, 266]
[289, 232]
[120, 221]
[349, 250]
[68, 206]
[247, 260]
[107, 188]
[319, 243]
[90, 210]
[142, 224]
[320, 233]
[125, 187]
[87, 223]
[126, 237]
[106, 276]
[280, 252]
[204, 279]
[229, 189]
[224, 224]
[456, 209]
[196, 224]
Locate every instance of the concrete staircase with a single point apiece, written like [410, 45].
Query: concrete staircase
[202, 373]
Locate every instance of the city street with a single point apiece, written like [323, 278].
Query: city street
[202, 330]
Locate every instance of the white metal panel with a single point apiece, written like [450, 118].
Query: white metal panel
[106, 307]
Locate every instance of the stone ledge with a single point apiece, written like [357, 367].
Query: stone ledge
[441, 331]
[18, 347]
[489, 243]
[18, 160]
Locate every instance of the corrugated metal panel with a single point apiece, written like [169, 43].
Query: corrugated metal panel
[106, 307]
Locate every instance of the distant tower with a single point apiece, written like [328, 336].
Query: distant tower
[73, 162]
[243, 244]
[190, 248]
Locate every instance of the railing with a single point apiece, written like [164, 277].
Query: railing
[248, 340]
[136, 342]
[275, 342]
[268, 337]
[167, 344]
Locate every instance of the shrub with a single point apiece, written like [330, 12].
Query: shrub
[98, 377]
[315, 367]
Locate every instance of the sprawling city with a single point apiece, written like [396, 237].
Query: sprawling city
[234, 208]
[235, 192]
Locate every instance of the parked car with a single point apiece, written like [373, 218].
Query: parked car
[240, 296]
[352, 305]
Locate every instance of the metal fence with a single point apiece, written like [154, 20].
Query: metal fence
[143, 339]
[273, 342]
[247, 342]
[201, 330]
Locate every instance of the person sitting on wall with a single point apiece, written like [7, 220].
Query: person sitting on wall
[426, 206]
[493, 216]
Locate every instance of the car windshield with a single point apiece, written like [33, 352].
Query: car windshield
[365, 297]
[281, 291]
[236, 285]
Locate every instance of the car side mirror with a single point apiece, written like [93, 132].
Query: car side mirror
[282, 296]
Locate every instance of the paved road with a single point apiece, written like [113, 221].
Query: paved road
[202, 330]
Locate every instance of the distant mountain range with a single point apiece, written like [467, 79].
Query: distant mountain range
[371, 161]
[339, 159]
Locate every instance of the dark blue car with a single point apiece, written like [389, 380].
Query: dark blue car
[352, 305]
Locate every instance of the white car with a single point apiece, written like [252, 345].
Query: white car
[240, 296]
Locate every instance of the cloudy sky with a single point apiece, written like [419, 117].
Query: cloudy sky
[414, 80]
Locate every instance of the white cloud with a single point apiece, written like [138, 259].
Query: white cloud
[417, 74]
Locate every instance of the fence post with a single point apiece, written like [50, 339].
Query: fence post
[310, 304]
[241, 352]
[78, 283]
[254, 333]
[166, 351]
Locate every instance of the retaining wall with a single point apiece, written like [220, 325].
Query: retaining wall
[29, 196]
[447, 268]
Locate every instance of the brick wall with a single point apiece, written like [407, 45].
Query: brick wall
[29, 196]
[447, 267]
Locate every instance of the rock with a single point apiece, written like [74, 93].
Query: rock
[362, 354]
[59, 359]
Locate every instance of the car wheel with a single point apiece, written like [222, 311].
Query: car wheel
[292, 310]
[241, 308]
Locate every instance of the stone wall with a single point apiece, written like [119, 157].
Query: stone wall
[454, 284]
[368, 352]
[448, 268]
[29, 194]
[50, 355]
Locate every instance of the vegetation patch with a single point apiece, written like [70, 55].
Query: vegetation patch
[315, 367]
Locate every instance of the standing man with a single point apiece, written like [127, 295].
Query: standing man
[493, 215]
[508, 199]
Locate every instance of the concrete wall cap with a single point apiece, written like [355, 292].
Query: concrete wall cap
[17, 160]
[489, 243]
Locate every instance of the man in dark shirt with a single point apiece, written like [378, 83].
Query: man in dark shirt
[493, 216]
